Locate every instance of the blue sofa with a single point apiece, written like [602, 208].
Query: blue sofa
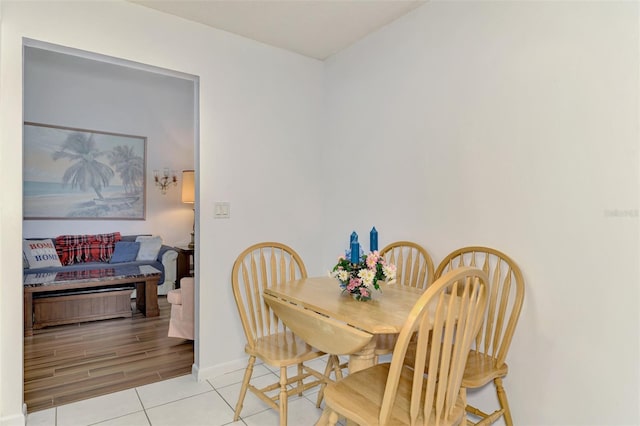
[165, 263]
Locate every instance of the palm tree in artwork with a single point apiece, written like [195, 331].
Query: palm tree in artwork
[86, 171]
[129, 166]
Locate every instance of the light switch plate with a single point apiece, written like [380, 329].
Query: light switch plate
[221, 210]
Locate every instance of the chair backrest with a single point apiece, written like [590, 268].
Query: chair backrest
[506, 295]
[319, 331]
[256, 268]
[413, 263]
[446, 326]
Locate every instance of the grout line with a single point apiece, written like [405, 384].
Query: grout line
[139, 398]
[147, 416]
[144, 409]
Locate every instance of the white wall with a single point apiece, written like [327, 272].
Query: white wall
[513, 125]
[65, 90]
[508, 124]
[258, 147]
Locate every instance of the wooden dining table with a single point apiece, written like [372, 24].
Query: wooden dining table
[385, 313]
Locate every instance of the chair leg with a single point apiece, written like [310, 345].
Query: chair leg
[283, 396]
[504, 403]
[300, 371]
[463, 395]
[337, 368]
[327, 372]
[324, 418]
[245, 385]
[333, 418]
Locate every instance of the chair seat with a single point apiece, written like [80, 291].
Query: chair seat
[359, 397]
[481, 369]
[282, 349]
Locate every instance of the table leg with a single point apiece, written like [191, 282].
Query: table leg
[151, 298]
[141, 297]
[28, 314]
[364, 358]
[147, 298]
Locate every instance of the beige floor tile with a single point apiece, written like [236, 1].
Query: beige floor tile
[99, 409]
[171, 390]
[301, 412]
[135, 419]
[252, 404]
[42, 418]
[200, 410]
[236, 376]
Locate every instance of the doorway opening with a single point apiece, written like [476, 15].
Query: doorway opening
[78, 89]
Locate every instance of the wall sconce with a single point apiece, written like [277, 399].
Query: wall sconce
[189, 197]
[166, 179]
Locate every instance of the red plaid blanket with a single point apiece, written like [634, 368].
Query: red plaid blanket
[86, 248]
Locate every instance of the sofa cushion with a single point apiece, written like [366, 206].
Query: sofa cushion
[125, 251]
[40, 253]
[149, 247]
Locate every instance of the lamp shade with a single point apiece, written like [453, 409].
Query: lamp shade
[188, 186]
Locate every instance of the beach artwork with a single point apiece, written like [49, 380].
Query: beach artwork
[82, 174]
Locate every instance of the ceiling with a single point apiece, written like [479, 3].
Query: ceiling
[314, 28]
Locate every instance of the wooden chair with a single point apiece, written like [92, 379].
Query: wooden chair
[256, 268]
[414, 269]
[399, 394]
[486, 361]
[413, 263]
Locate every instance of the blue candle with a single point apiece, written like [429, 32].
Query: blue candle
[355, 252]
[354, 237]
[373, 239]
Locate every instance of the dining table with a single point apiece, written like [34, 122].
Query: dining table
[322, 299]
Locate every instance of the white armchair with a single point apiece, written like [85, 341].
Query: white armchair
[182, 303]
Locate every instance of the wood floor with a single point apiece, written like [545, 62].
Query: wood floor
[69, 363]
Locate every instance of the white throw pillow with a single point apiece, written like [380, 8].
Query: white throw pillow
[40, 253]
[149, 247]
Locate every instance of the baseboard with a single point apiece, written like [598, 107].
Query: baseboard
[218, 370]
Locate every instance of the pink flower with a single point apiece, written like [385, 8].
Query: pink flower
[372, 260]
[364, 292]
[353, 284]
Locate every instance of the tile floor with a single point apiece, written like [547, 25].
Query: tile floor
[183, 401]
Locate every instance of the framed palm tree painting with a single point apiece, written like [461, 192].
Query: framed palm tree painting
[82, 174]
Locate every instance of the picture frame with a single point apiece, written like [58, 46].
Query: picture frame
[79, 174]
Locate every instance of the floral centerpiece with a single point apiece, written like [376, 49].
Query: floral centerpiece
[360, 278]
